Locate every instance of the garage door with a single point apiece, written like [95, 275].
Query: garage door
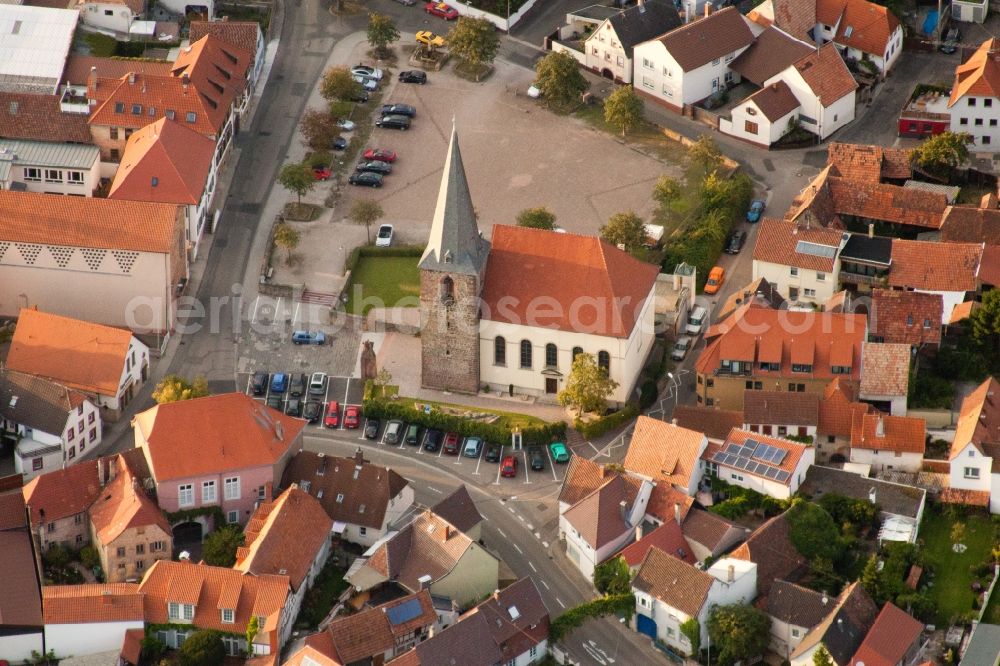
[646, 625]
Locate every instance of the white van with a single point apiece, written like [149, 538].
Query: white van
[696, 319]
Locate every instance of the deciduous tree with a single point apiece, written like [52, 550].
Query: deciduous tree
[287, 238]
[588, 386]
[202, 648]
[986, 322]
[666, 191]
[174, 388]
[812, 531]
[821, 657]
[943, 153]
[738, 633]
[537, 218]
[705, 153]
[366, 212]
[625, 229]
[475, 41]
[613, 577]
[297, 178]
[319, 128]
[219, 548]
[558, 77]
[623, 109]
[338, 85]
[381, 33]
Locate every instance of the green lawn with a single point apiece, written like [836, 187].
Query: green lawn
[508, 419]
[329, 585]
[383, 282]
[952, 592]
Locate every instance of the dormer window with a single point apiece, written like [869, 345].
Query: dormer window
[119, 107]
[170, 114]
[228, 616]
[191, 116]
[801, 367]
[173, 611]
[340, 498]
[137, 109]
[840, 369]
[187, 611]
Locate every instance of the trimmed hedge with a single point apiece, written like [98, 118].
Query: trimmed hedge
[606, 423]
[619, 604]
[387, 409]
[372, 251]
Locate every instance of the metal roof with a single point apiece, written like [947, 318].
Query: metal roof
[45, 154]
[34, 43]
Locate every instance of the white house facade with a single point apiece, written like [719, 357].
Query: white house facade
[973, 470]
[820, 116]
[366, 536]
[764, 117]
[771, 466]
[113, 16]
[87, 638]
[609, 49]
[39, 452]
[888, 460]
[53, 168]
[972, 109]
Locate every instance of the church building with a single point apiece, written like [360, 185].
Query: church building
[512, 314]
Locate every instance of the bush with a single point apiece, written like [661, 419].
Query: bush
[613, 577]
[602, 425]
[648, 393]
[621, 604]
[202, 648]
[319, 159]
[102, 46]
[89, 557]
[732, 509]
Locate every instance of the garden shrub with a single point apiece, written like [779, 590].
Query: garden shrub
[620, 604]
[602, 425]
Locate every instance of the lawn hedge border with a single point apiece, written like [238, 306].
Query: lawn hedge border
[372, 251]
[597, 428]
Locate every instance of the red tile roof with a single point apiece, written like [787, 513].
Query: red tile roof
[660, 450]
[869, 163]
[132, 645]
[979, 76]
[771, 549]
[931, 266]
[775, 101]
[780, 408]
[771, 52]
[122, 505]
[459, 509]
[212, 435]
[889, 203]
[598, 516]
[837, 413]
[529, 265]
[864, 25]
[885, 369]
[778, 240]
[707, 38]
[12, 513]
[989, 267]
[78, 68]
[978, 419]
[64, 492]
[75, 353]
[665, 501]
[93, 602]
[715, 423]
[21, 601]
[910, 317]
[707, 529]
[39, 118]
[797, 17]
[583, 476]
[827, 76]
[166, 162]
[961, 496]
[243, 35]
[902, 434]
[667, 537]
[889, 639]
[968, 224]
[674, 582]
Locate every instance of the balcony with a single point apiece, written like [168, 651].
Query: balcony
[863, 276]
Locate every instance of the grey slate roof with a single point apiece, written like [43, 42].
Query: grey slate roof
[643, 22]
[797, 605]
[891, 497]
[459, 509]
[46, 154]
[984, 646]
[40, 404]
[455, 245]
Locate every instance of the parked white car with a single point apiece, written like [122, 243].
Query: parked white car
[366, 83]
[384, 236]
[367, 72]
[346, 125]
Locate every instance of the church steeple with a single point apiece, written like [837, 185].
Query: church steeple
[455, 245]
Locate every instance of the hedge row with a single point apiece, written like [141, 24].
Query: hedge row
[606, 423]
[491, 432]
[372, 251]
[619, 604]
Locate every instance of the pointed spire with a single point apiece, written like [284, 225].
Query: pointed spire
[455, 245]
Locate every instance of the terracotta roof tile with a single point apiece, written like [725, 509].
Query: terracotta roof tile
[12, 513]
[122, 505]
[760, 291]
[583, 476]
[967, 224]
[869, 163]
[978, 419]
[979, 76]
[706, 528]
[660, 450]
[778, 240]
[781, 408]
[459, 509]
[664, 502]
[53, 219]
[961, 496]
[39, 118]
[667, 537]
[796, 605]
[910, 317]
[789, 463]
[243, 35]
[307, 655]
[885, 369]
[889, 639]
[295, 528]
[888, 203]
[830, 11]
[964, 310]
[21, 601]
[710, 37]
[797, 17]
[132, 645]
[598, 516]
[934, 266]
[826, 74]
[715, 423]
[866, 26]
[989, 267]
[771, 549]
[771, 52]
[193, 437]
[64, 492]
[837, 414]
[775, 101]
[166, 162]
[528, 264]
[903, 434]
[75, 353]
[674, 582]
[94, 602]
[78, 67]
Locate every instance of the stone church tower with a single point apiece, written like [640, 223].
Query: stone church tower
[451, 280]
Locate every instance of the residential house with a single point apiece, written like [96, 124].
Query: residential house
[894, 639]
[115, 16]
[668, 537]
[901, 507]
[801, 262]
[691, 63]
[205, 8]
[362, 499]
[189, 447]
[290, 536]
[604, 521]
[948, 269]
[429, 553]
[40, 118]
[669, 592]
[983, 646]
[665, 453]
[377, 634]
[885, 377]
[757, 347]
[975, 94]
[763, 117]
[127, 529]
[841, 631]
[969, 224]
[220, 599]
[53, 168]
[21, 622]
[168, 162]
[80, 69]
[782, 414]
[974, 476]
[969, 11]
[710, 535]
[769, 465]
[824, 88]
[608, 50]
[46, 420]
[91, 618]
[105, 363]
[34, 47]
[865, 260]
[83, 246]
[771, 549]
[57, 501]
[911, 317]
[510, 627]
[794, 610]
[244, 35]
[889, 442]
[459, 509]
[760, 291]
[675, 294]
[713, 422]
[868, 162]
[583, 476]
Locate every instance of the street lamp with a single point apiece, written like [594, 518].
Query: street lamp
[676, 383]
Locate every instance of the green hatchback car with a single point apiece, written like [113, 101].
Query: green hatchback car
[559, 452]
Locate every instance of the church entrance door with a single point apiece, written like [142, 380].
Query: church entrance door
[551, 385]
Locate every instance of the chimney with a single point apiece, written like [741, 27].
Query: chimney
[184, 556]
[268, 491]
[673, 421]
[880, 428]
[708, 9]
[425, 581]
[677, 512]
[623, 505]
[444, 532]
[677, 282]
[731, 573]
[871, 495]
[131, 78]
[185, 79]
[871, 231]
[825, 599]
[102, 477]
[92, 77]
[638, 532]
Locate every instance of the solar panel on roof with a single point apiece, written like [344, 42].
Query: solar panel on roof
[719, 457]
[751, 444]
[783, 476]
[762, 452]
[761, 469]
[743, 463]
[772, 472]
[733, 448]
[404, 612]
[779, 456]
[730, 459]
[816, 250]
[775, 455]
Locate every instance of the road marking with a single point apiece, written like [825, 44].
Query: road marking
[501, 533]
[592, 652]
[520, 517]
[420, 444]
[559, 601]
[347, 390]
[518, 549]
[532, 565]
[253, 314]
[552, 464]
[511, 509]
[295, 315]
[485, 518]
[529, 526]
[434, 490]
[461, 451]
[526, 468]
[479, 460]
[545, 584]
[499, 467]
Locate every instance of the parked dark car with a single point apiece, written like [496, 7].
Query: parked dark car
[312, 411]
[360, 96]
[340, 143]
[413, 76]
[371, 428]
[950, 43]
[279, 382]
[493, 453]
[374, 166]
[294, 407]
[451, 443]
[536, 458]
[432, 442]
[274, 401]
[735, 242]
[365, 179]
[259, 383]
[297, 384]
[394, 122]
[399, 110]
[413, 434]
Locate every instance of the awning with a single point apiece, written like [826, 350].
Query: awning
[338, 527]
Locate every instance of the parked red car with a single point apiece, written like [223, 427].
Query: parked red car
[321, 173]
[332, 418]
[451, 443]
[352, 416]
[380, 155]
[441, 9]
[508, 467]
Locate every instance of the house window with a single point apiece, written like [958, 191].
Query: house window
[170, 114]
[533, 652]
[526, 354]
[191, 116]
[36, 464]
[228, 616]
[604, 361]
[157, 546]
[208, 491]
[32, 174]
[647, 82]
[782, 431]
[139, 565]
[795, 633]
[809, 293]
[70, 434]
[185, 494]
[986, 140]
[988, 102]
[447, 290]
[499, 350]
[188, 612]
[576, 352]
[793, 271]
[119, 107]
[978, 122]
[710, 382]
[232, 488]
[715, 62]
[647, 63]
[53, 176]
[972, 101]
[830, 439]
[594, 51]
[963, 121]
[621, 61]
[72, 453]
[551, 356]
[840, 369]
[340, 498]
[972, 454]
[729, 58]
[74, 177]
[121, 551]
[820, 277]
[115, 155]
[233, 517]
[174, 611]
[137, 109]
[79, 539]
[971, 472]
[140, 549]
[750, 127]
